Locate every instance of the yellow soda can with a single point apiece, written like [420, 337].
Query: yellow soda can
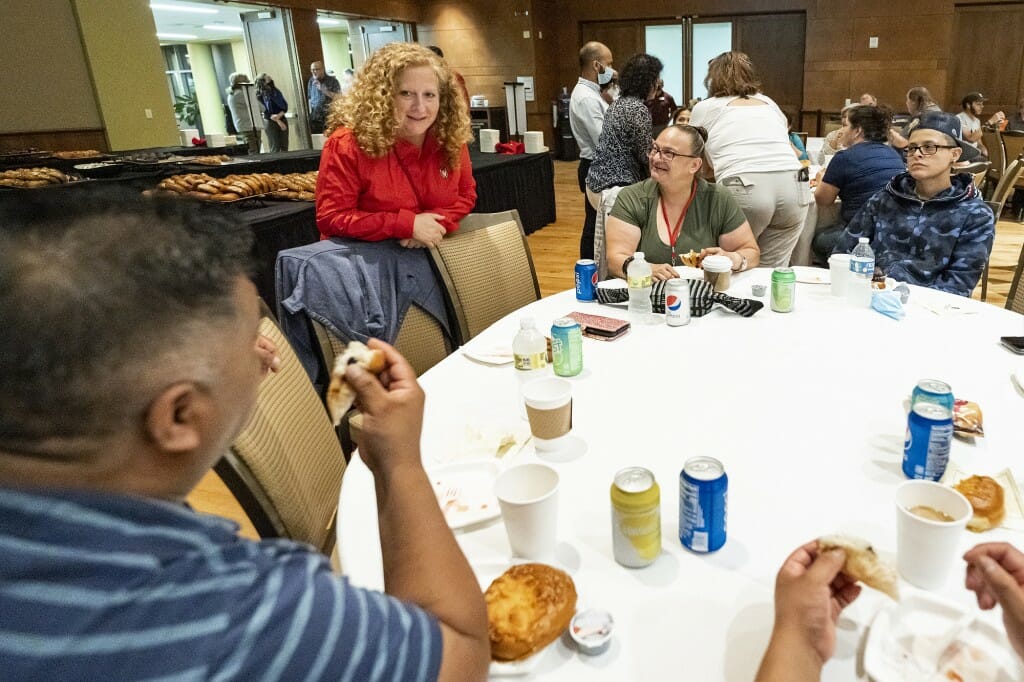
[636, 517]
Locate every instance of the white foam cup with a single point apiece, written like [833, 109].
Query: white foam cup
[318, 140]
[528, 496]
[839, 271]
[927, 550]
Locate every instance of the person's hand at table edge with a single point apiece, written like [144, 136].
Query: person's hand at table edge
[810, 593]
[662, 271]
[427, 228]
[995, 573]
[267, 351]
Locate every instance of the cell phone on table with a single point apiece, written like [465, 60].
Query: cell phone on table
[1014, 343]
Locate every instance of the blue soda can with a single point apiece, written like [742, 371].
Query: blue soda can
[929, 436]
[586, 280]
[932, 391]
[567, 347]
[703, 502]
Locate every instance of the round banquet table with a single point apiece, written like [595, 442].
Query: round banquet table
[804, 409]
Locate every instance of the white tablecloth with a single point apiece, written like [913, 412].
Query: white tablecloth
[805, 411]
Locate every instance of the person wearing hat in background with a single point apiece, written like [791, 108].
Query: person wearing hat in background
[973, 105]
[927, 226]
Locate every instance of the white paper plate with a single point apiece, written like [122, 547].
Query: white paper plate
[903, 635]
[486, 572]
[475, 501]
[809, 275]
[489, 355]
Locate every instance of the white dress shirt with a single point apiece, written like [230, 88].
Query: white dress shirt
[586, 116]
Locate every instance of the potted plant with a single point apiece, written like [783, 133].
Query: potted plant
[186, 108]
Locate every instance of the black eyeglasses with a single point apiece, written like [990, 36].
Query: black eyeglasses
[928, 149]
[668, 154]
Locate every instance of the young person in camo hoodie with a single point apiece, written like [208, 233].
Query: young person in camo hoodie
[928, 226]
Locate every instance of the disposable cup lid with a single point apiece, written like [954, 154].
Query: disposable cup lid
[717, 264]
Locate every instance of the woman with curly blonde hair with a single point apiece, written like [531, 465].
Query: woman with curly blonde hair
[396, 164]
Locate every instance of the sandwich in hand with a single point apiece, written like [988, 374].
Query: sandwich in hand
[862, 564]
[340, 395]
[691, 259]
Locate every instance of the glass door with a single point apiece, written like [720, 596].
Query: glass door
[710, 39]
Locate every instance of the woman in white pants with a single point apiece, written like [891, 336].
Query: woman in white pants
[749, 152]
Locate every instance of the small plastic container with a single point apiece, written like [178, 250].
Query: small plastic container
[592, 631]
[758, 290]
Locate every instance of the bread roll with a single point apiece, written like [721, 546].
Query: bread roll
[340, 395]
[863, 564]
[987, 500]
[528, 607]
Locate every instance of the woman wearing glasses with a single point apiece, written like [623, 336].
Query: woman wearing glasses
[750, 154]
[675, 211]
[928, 227]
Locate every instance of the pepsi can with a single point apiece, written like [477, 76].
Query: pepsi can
[929, 436]
[932, 391]
[703, 497]
[677, 302]
[586, 280]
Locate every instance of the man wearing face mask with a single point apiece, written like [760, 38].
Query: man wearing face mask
[586, 116]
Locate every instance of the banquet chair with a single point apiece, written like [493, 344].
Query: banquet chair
[1015, 298]
[608, 198]
[993, 141]
[487, 270]
[1013, 144]
[285, 467]
[978, 171]
[1001, 193]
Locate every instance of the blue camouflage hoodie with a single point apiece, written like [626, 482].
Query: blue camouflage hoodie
[942, 242]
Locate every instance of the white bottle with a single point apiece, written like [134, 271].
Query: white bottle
[530, 350]
[639, 278]
[862, 270]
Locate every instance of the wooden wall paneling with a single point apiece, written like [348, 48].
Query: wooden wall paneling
[775, 43]
[987, 55]
[623, 38]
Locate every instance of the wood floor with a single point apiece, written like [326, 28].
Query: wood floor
[555, 250]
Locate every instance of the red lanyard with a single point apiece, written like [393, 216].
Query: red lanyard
[673, 233]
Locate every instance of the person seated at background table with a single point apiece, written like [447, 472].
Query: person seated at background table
[919, 101]
[111, 295]
[973, 105]
[927, 226]
[865, 165]
[676, 211]
[811, 592]
[274, 107]
[681, 116]
[750, 155]
[833, 141]
[868, 99]
[795, 141]
[1016, 121]
[396, 164]
[621, 155]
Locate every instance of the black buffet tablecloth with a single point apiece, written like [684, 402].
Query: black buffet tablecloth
[276, 226]
[521, 181]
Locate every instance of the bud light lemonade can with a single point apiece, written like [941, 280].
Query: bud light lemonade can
[636, 517]
[677, 302]
[586, 280]
[932, 391]
[567, 347]
[703, 497]
[929, 436]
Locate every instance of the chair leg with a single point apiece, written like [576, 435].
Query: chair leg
[984, 282]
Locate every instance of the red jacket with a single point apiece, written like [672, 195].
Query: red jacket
[372, 199]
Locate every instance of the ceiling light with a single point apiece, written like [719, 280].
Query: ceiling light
[324, 21]
[182, 8]
[223, 27]
[175, 36]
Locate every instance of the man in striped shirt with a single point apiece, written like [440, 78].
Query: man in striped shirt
[129, 363]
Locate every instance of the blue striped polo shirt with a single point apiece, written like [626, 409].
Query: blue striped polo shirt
[96, 586]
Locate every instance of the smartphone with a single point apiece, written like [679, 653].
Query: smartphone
[1014, 343]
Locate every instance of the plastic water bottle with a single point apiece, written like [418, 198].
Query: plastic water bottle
[639, 278]
[530, 350]
[862, 270]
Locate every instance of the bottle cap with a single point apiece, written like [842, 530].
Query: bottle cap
[639, 255]
[863, 240]
[526, 323]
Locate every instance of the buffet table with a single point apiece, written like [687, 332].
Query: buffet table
[804, 409]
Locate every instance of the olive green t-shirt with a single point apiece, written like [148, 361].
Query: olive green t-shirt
[712, 213]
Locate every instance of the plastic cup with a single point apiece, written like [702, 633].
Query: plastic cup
[528, 496]
[318, 141]
[839, 271]
[926, 550]
[549, 410]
